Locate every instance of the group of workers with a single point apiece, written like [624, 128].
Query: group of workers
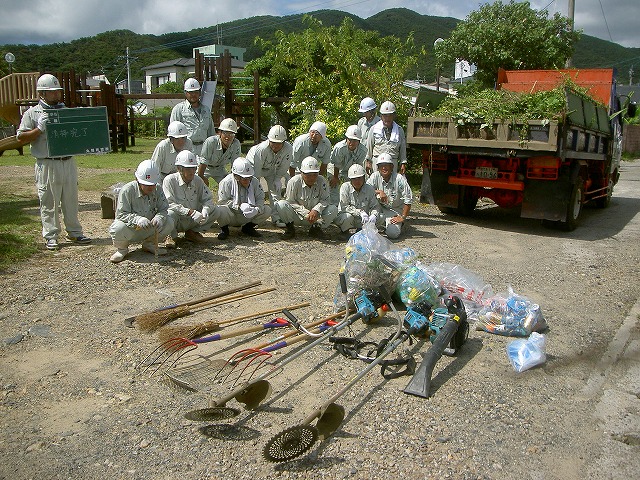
[309, 182]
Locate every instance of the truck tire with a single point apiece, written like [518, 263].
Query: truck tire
[604, 202]
[467, 201]
[574, 206]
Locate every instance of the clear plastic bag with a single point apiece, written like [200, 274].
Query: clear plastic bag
[511, 315]
[525, 354]
[462, 282]
[416, 285]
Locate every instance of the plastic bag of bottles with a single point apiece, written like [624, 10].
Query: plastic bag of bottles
[464, 283]
[416, 285]
[525, 354]
[511, 315]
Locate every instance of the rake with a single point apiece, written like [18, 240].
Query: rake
[152, 321]
[128, 322]
[199, 372]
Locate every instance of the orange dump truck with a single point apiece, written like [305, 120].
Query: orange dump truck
[550, 174]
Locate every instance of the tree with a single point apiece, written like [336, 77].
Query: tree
[325, 72]
[511, 36]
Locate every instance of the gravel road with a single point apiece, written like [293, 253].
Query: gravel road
[73, 405]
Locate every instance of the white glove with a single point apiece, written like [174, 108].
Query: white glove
[143, 222]
[43, 119]
[198, 217]
[251, 212]
[373, 218]
[157, 222]
[278, 186]
[245, 207]
[205, 215]
[364, 217]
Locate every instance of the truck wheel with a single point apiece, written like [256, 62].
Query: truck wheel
[467, 201]
[574, 207]
[604, 202]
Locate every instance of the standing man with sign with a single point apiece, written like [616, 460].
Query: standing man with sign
[56, 177]
[195, 115]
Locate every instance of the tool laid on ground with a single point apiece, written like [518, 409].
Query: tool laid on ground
[153, 321]
[200, 372]
[252, 393]
[131, 320]
[298, 439]
[450, 330]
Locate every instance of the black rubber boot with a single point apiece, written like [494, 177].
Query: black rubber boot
[224, 234]
[290, 232]
[250, 230]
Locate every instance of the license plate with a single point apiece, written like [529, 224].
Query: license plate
[486, 172]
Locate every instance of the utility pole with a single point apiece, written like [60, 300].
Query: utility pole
[631, 76]
[128, 73]
[571, 15]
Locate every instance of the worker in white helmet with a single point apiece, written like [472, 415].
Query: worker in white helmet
[358, 204]
[369, 117]
[386, 136]
[195, 115]
[312, 144]
[191, 204]
[218, 151]
[345, 153]
[167, 149]
[241, 201]
[56, 177]
[142, 213]
[306, 202]
[394, 196]
[271, 160]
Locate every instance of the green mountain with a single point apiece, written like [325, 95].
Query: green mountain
[105, 53]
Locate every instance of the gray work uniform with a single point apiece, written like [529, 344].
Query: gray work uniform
[229, 205]
[183, 197]
[56, 181]
[342, 158]
[197, 120]
[364, 127]
[398, 194]
[132, 205]
[165, 156]
[300, 199]
[216, 158]
[381, 140]
[271, 166]
[303, 148]
[352, 203]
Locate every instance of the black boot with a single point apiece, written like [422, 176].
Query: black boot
[224, 234]
[316, 232]
[290, 232]
[250, 230]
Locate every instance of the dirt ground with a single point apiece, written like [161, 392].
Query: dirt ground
[74, 405]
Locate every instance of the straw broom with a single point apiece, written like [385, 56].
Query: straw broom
[131, 320]
[152, 321]
[193, 331]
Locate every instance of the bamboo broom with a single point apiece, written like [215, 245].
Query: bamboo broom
[193, 331]
[152, 321]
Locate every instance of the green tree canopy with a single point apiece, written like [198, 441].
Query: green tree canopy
[510, 36]
[326, 71]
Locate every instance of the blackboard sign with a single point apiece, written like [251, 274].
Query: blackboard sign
[75, 131]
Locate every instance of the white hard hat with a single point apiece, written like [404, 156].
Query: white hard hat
[241, 166]
[228, 125]
[319, 127]
[352, 132]
[148, 172]
[47, 82]
[186, 159]
[367, 104]
[191, 85]
[277, 134]
[356, 171]
[387, 107]
[310, 165]
[177, 129]
[384, 158]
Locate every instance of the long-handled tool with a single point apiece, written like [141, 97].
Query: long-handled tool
[296, 440]
[193, 331]
[254, 392]
[153, 321]
[131, 320]
[200, 372]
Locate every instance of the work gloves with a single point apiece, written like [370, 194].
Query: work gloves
[198, 217]
[157, 222]
[364, 217]
[43, 119]
[373, 218]
[143, 223]
[205, 215]
[248, 211]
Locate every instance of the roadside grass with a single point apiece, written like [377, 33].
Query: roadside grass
[19, 220]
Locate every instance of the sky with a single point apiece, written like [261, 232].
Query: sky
[45, 21]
